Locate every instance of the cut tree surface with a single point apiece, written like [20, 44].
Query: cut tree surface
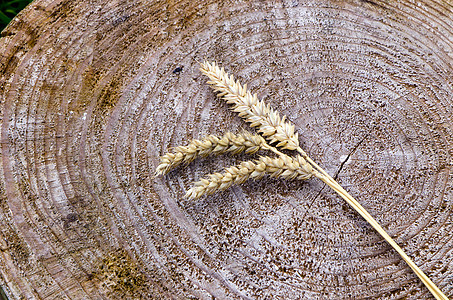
[92, 93]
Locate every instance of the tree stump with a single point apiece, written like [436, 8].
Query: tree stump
[93, 93]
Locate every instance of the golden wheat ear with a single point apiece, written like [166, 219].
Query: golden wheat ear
[282, 166]
[228, 143]
[256, 112]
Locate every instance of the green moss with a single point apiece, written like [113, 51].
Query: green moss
[3, 294]
[120, 273]
[9, 9]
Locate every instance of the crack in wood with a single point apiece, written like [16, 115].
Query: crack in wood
[349, 155]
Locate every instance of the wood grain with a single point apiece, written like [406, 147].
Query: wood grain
[92, 93]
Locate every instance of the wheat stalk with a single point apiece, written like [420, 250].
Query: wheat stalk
[435, 291]
[254, 111]
[278, 129]
[228, 143]
[282, 166]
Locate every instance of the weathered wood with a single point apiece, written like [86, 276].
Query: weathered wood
[92, 94]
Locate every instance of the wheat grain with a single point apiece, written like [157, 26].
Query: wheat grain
[254, 111]
[228, 143]
[282, 166]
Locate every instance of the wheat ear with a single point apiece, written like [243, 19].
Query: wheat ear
[228, 143]
[276, 129]
[254, 111]
[282, 166]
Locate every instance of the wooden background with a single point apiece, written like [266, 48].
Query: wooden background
[92, 92]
